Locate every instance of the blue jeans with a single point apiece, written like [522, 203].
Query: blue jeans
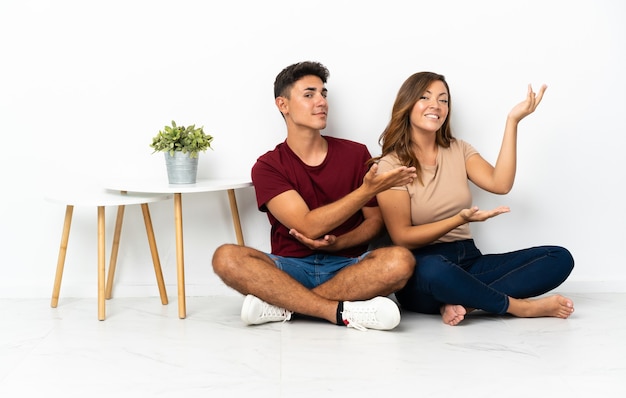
[458, 273]
[312, 271]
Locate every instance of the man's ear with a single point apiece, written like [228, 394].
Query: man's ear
[281, 104]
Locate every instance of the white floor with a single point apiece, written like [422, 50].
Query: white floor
[143, 349]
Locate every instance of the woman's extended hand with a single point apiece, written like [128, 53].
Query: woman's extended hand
[529, 105]
[474, 214]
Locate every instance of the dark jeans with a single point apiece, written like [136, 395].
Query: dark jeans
[458, 273]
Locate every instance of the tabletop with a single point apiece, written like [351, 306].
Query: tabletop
[163, 186]
[90, 196]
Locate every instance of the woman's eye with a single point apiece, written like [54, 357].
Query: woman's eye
[423, 97]
[444, 101]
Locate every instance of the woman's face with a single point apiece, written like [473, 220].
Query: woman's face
[431, 110]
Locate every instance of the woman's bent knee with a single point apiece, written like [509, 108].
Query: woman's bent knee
[564, 258]
[564, 262]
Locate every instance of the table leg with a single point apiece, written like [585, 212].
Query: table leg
[155, 253]
[114, 251]
[234, 211]
[101, 261]
[69, 209]
[180, 257]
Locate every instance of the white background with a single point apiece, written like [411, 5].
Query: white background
[85, 85]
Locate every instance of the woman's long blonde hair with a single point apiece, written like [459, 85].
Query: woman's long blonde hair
[397, 135]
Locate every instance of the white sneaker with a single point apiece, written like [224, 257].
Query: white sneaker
[379, 313]
[255, 311]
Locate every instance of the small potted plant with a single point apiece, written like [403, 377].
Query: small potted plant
[181, 146]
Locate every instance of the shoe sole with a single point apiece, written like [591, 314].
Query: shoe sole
[247, 302]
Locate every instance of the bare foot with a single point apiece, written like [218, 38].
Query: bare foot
[452, 314]
[551, 306]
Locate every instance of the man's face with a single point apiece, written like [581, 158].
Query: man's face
[306, 106]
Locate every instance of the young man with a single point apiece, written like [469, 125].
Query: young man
[320, 201]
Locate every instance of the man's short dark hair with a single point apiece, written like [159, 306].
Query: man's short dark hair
[291, 74]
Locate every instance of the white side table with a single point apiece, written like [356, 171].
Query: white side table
[100, 198]
[162, 186]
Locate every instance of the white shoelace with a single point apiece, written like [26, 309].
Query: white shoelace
[361, 316]
[272, 311]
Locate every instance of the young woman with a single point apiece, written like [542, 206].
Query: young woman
[431, 214]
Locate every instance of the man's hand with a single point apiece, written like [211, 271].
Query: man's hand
[393, 178]
[325, 243]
